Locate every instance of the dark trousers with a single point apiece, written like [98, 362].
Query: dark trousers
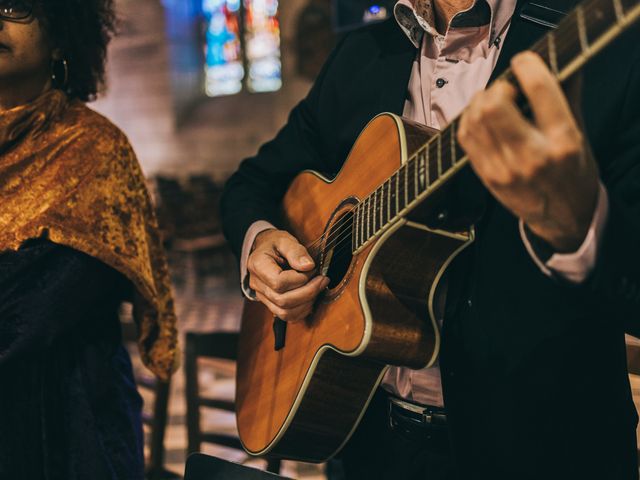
[378, 451]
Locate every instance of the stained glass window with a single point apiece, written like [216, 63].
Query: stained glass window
[262, 37]
[231, 45]
[224, 68]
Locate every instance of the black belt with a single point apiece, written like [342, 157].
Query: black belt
[423, 425]
[415, 416]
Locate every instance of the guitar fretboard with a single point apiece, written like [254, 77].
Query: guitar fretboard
[585, 31]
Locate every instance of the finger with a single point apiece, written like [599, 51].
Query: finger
[266, 268]
[294, 253]
[546, 98]
[478, 142]
[288, 315]
[514, 134]
[294, 298]
[502, 118]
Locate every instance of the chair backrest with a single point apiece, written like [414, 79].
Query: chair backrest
[217, 345]
[204, 467]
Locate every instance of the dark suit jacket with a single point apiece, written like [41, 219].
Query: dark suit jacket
[534, 369]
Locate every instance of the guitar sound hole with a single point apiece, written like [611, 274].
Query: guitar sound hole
[338, 250]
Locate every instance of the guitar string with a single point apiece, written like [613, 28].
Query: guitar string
[345, 225]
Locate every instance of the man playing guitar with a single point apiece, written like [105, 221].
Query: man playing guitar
[531, 380]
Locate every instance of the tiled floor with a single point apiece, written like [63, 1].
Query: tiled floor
[206, 301]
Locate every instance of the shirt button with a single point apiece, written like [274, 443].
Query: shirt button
[441, 82]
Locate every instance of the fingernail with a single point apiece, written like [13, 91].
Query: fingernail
[325, 282]
[305, 261]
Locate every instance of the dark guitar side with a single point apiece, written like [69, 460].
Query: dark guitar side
[304, 401]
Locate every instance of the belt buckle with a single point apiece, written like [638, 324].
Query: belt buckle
[427, 417]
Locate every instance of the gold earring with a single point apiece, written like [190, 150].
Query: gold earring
[54, 76]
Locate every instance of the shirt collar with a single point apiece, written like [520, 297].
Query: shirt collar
[416, 17]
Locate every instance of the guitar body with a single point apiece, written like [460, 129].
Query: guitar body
[304, 400]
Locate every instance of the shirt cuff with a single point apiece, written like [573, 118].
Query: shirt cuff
[577, 266]
[250, 237]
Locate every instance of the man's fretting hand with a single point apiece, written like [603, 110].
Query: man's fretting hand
[282, 273]
[542, 171]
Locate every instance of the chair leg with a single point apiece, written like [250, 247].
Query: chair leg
[191, 390]
[160, 413]
[273, 466]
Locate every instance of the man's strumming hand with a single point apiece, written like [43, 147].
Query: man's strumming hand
[282, 273]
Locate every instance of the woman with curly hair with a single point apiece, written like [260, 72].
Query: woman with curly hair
[77, 238]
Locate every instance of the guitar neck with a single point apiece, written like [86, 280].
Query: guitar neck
[584, 32]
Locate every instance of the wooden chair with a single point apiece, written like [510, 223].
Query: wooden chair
[216, 346]
[156, 421]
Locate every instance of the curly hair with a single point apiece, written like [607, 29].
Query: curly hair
[81, 29]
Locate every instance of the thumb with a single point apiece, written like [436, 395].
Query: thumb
[295, 254]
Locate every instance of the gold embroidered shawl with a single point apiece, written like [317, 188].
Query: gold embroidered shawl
[69, 175]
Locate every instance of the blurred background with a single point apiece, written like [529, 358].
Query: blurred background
[198, 85]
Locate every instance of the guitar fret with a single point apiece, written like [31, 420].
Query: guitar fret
[617, 5]
[382, 222]
[382, 219]
[411, 192]
[376, 217]
[439, 147]
[367, 206]
[582, 29]
[356, 231]
[363, 227]
[553, 57]
[402, 192]
[360, 215]
[432, 165]
[392, 200]
[397, 192]
[372, 217]
[364, 222]
[363, 216]
[424, 173]
[406, 186]
[416, 177]
[388, 185]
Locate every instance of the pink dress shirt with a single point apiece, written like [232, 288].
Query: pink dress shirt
[448, 70]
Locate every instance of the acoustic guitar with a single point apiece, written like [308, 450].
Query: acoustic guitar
[303, 387]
